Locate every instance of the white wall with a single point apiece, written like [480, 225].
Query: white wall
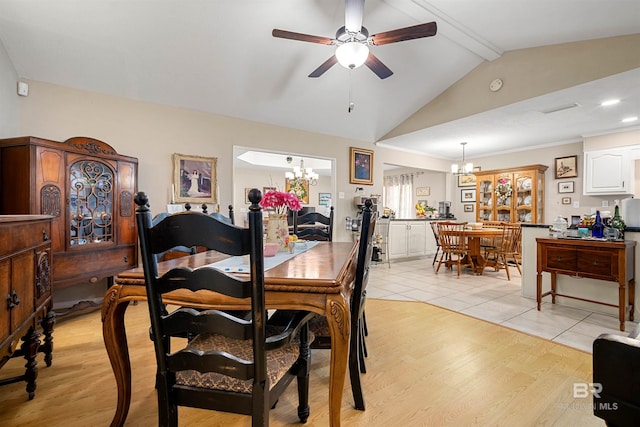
[8, 96]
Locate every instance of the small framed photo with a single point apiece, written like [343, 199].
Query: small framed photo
[194, 179]
[361, 166]
[265, 189]
[423, 191]
[467, 196]
[566, 200]
[246, 196]
[565, 187]
[566, 167]
[324, 199]
[468, 207]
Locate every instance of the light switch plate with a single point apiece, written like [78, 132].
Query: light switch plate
[605, 203]
[576, 204]
[341, 195]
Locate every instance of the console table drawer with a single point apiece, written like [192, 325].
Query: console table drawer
[561, 259]
[598, 264]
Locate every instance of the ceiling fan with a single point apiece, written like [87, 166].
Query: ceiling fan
[353, 41]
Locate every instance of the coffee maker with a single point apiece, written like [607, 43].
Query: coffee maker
[444, 210]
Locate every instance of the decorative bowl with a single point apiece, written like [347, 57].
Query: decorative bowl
[270, 249]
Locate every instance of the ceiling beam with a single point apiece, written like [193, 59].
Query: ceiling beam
[423, 11]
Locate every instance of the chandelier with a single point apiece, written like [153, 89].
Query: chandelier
[464, 168]
[302, 173]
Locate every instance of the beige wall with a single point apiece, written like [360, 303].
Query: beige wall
[8, 96]
[152, 133]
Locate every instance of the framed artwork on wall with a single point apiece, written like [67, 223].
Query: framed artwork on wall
[468, 207]
[361, 166]
[194, 179]
[324, 199]
[423, 191]
[466, 180]
[246, 196]
[299, 187]
[265, 189]
[566, 167]
[467, 196]
[565, 187]
[566, 200]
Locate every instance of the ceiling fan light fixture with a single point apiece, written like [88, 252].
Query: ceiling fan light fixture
[352, 54]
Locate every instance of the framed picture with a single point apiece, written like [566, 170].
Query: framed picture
[423, 191]
[467, 196]
[566, 167]
[194, 179]
[265, 189]
[299, 187]
[361, 166]
[565, 187]
[468, 207]
[466, 180]
[246, 196]
[324, 199]
[566, 200]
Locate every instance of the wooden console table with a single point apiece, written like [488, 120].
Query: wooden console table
[604, 260]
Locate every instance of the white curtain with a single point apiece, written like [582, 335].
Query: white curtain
[397, 194]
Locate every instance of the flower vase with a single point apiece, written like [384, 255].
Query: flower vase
[277, 231]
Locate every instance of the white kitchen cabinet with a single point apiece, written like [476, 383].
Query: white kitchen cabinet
[608, 171]
[407, 239]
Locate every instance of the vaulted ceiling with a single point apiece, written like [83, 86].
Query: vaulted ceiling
[219, 56]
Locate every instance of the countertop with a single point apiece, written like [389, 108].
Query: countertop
[626, 229]
[423, 219]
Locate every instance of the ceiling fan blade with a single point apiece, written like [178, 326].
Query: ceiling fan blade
[377, 66]
[353, 14]
[283, 34]
[408, 33]
[324, 67]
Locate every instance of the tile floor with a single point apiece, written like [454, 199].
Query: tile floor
[490, 297]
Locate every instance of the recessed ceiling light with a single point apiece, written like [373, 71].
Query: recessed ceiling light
[629, 119]
[610, 102]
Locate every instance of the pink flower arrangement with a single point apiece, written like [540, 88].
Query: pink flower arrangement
[280, 201]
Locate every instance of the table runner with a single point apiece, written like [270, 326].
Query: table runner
[237, 264]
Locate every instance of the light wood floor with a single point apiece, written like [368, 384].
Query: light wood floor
[427, 366]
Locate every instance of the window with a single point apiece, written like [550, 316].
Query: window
[398, 195]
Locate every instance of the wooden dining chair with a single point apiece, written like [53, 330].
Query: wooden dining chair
[455, 246]
[228, 363]
[436, 236]
[507, 248]
[319, 226]
[357, 346]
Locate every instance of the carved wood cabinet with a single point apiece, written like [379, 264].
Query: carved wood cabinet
[88, 188]
[25, 287]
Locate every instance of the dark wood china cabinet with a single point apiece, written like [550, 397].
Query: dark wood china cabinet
[88, 188]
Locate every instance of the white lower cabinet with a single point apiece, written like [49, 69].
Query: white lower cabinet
[407, 239]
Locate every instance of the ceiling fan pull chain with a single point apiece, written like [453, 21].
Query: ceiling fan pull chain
[351, 104]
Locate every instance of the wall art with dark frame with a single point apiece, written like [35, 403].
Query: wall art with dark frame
[566, 167]
[468, 195]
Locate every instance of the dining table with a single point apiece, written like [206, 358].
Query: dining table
[475, 236]
[319, 280]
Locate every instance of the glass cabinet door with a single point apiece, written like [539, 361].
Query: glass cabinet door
[90, 203]
[525, 198]
[485, 198]
[504, 195]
